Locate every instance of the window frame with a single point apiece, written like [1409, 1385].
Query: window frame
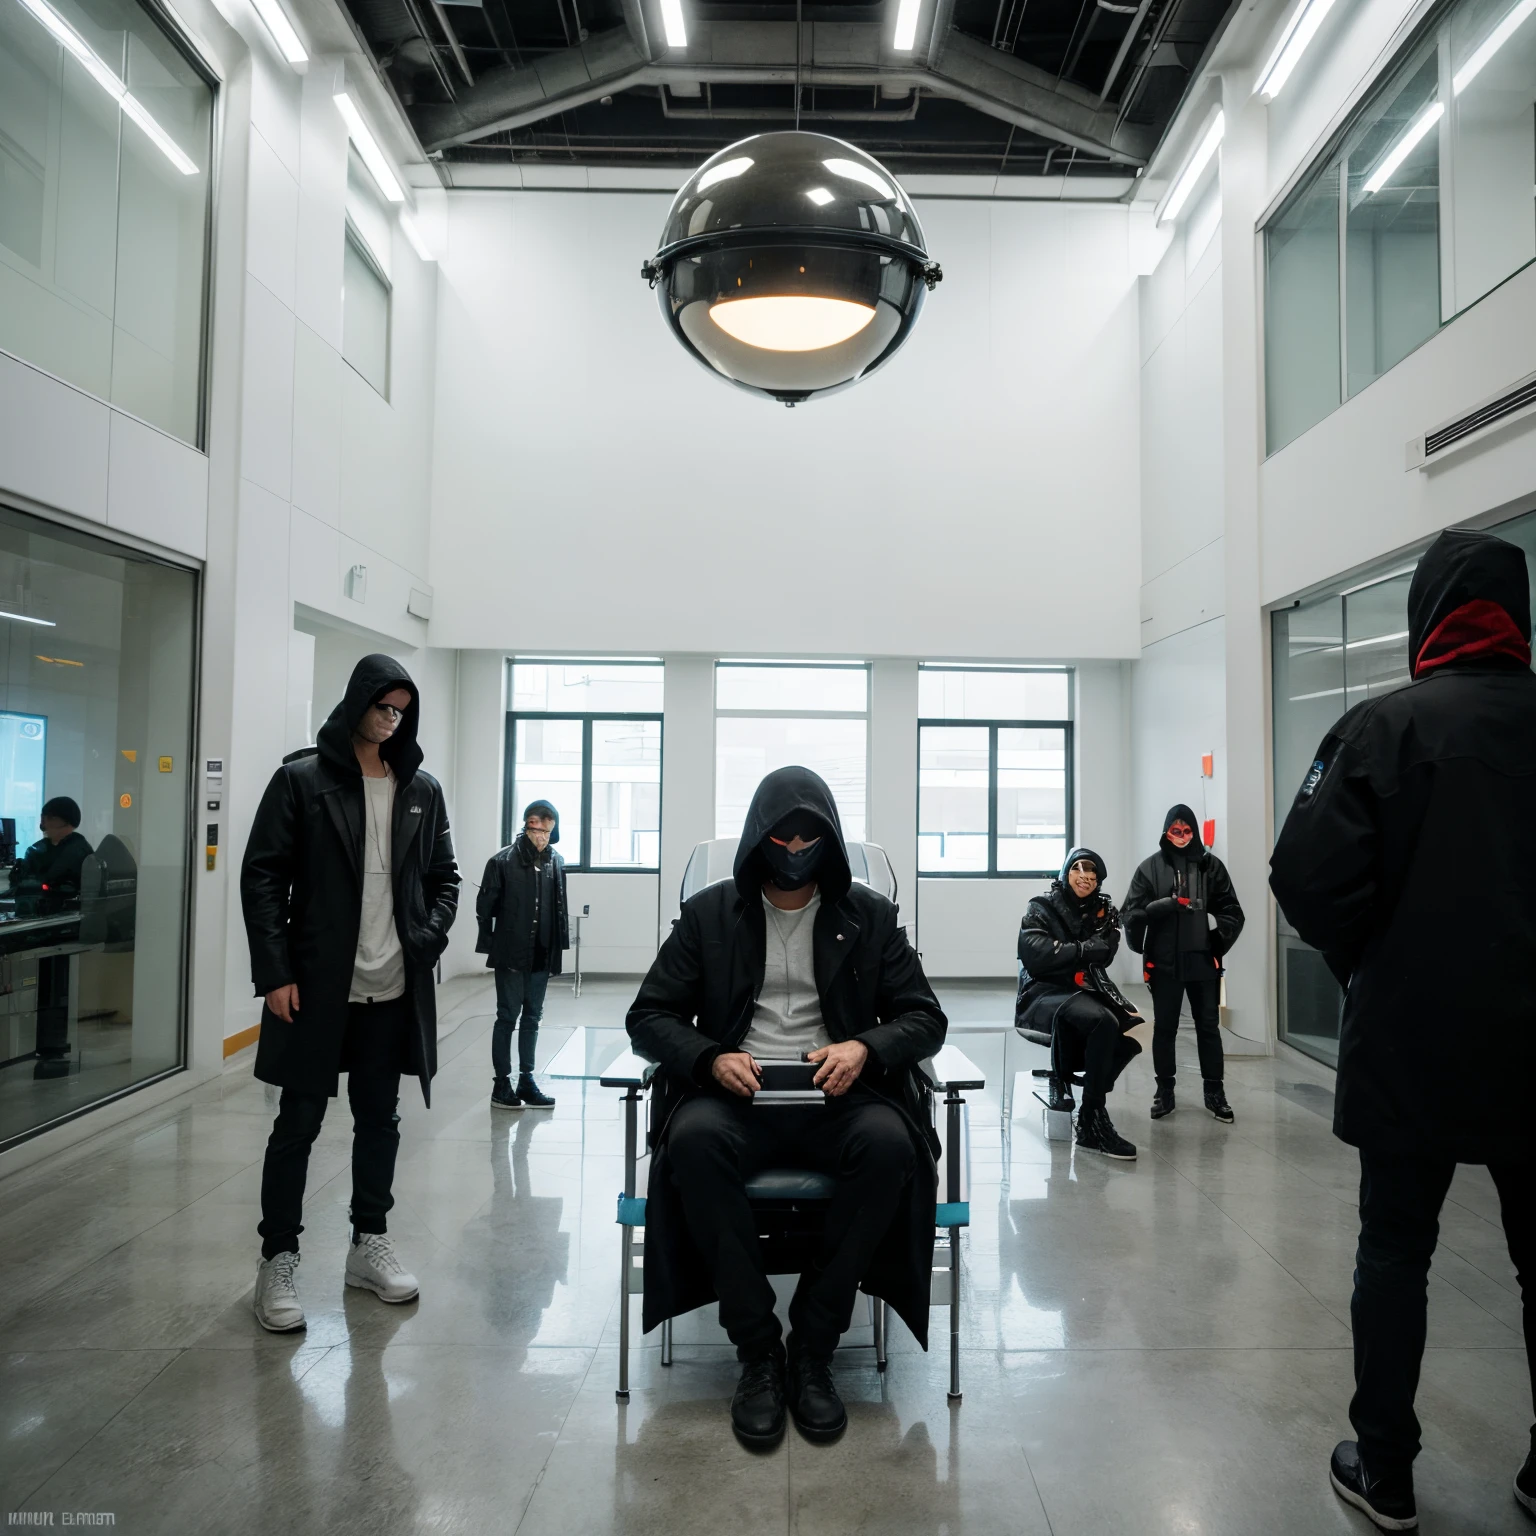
[992, 727]
[354, 237]
[510, 828]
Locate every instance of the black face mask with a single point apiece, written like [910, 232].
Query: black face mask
[790, 871]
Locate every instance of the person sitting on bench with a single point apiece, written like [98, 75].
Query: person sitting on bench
[789, 959]
[1067, 938]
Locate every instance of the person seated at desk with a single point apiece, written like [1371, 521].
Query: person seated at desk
[789, 959]
[47, 876]
[1067, 938]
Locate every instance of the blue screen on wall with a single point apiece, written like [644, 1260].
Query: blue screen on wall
[23, 746]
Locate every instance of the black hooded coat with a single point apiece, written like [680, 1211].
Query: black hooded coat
[698, 1000]
[1406, 859]
[301, 887]
[1168, 935]
[520, 892]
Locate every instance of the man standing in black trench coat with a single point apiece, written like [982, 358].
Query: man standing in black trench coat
[349, 887]
[789, 958]
[1407, 860]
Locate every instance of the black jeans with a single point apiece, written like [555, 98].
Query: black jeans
[517, 992]
[1106, 1047]
[373, 1057]
[716, 1143]
[1400, 1200]
[1168, 994]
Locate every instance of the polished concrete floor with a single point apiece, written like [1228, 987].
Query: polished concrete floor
[1155, 1348]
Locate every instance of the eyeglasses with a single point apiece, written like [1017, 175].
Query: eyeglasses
[391, 711]
[1081, 868]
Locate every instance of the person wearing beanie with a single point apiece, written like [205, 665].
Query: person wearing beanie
[1066, 940]
[524, 930]
[349, 887]
[46, 879]
[1182, 916]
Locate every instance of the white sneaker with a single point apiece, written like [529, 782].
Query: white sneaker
[372, 1263]
[277, 1298]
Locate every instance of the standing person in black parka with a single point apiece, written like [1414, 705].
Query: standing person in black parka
[1407, 860]
[524, 930]
[1182, 915]
[1067, 938]
[349, 887]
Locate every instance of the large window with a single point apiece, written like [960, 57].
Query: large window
[770, 715]
[994, 795]
[105, 149]
[97, 653]
[365, 299]
[1421, 205]
[586, 736]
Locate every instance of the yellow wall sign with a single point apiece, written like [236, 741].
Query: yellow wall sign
[165, 765]
[126, 801]
[131, 753]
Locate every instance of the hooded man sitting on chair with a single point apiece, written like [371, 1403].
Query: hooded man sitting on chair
[790, 959]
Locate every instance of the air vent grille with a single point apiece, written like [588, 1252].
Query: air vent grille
[1519, 398]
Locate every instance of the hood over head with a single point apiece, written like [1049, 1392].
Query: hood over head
[1195, 848]
[1469, 601]
[782, 793]
[1081, 903]
[545, 812]
[372, 677]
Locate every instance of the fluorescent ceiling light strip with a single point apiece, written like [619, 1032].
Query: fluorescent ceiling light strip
[1404, 147]
[277, 23]
[1194, 168]
[104, 76]
[1491, 44]
[22, 618]
[1292, 45]
[672, 23]
[906, 25]
[368, 148]
[412, 231]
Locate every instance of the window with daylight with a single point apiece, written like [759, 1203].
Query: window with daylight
[771, 715]
[994, 778]
[586, 736]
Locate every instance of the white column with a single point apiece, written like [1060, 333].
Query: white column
[893, 774]
[687, 773]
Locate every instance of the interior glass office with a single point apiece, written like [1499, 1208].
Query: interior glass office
[97, 668]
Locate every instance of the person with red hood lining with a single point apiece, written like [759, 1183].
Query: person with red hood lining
[1369, 867]
[1182, 915]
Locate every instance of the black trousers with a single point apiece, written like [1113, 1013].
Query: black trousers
[374, 1055]
[716, 1143]
[1400, 1200]
[1106, 1047]
[520, 1006]
[1168, 994]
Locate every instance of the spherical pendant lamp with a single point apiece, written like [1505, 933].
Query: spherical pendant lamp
[791, 264]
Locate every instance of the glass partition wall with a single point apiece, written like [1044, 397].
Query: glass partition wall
[97, 667]
[1421, 206]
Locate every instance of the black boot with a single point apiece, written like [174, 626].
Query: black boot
[528, 1091]
[757, 1409]
[1096, 1133]
[813, 1401]
[1216, 1102]
[1058, 1092]
[1525, 1482]
[503, 1096]
[1386, 1500]
[1162, 1100]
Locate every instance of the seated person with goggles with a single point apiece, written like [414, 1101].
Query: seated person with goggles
[790, 961]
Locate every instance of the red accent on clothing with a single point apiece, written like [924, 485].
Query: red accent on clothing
[1478, 628]
[1080, 979]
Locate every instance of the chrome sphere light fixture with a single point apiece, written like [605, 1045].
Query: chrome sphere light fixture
[791, 264]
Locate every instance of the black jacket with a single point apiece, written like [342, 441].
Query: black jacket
[46, 878]
[515, 891]
[1168, 934]
[301, 888]
[698, 1000]
[1406, 859]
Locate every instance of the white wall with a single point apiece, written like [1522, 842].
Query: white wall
[940, 500]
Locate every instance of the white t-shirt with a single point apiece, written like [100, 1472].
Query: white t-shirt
[787, 1020]
[378, 971]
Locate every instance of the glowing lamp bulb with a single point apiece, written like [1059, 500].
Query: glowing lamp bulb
[791, 322]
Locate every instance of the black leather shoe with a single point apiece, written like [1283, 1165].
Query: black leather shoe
[502, 1095]
[1096, 1133]
[1387, 1502]
[1525, 1484]
[757, 1410]
[1162, 1102]
[813, 1401]
[531, 1094]
[1216, 1102]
